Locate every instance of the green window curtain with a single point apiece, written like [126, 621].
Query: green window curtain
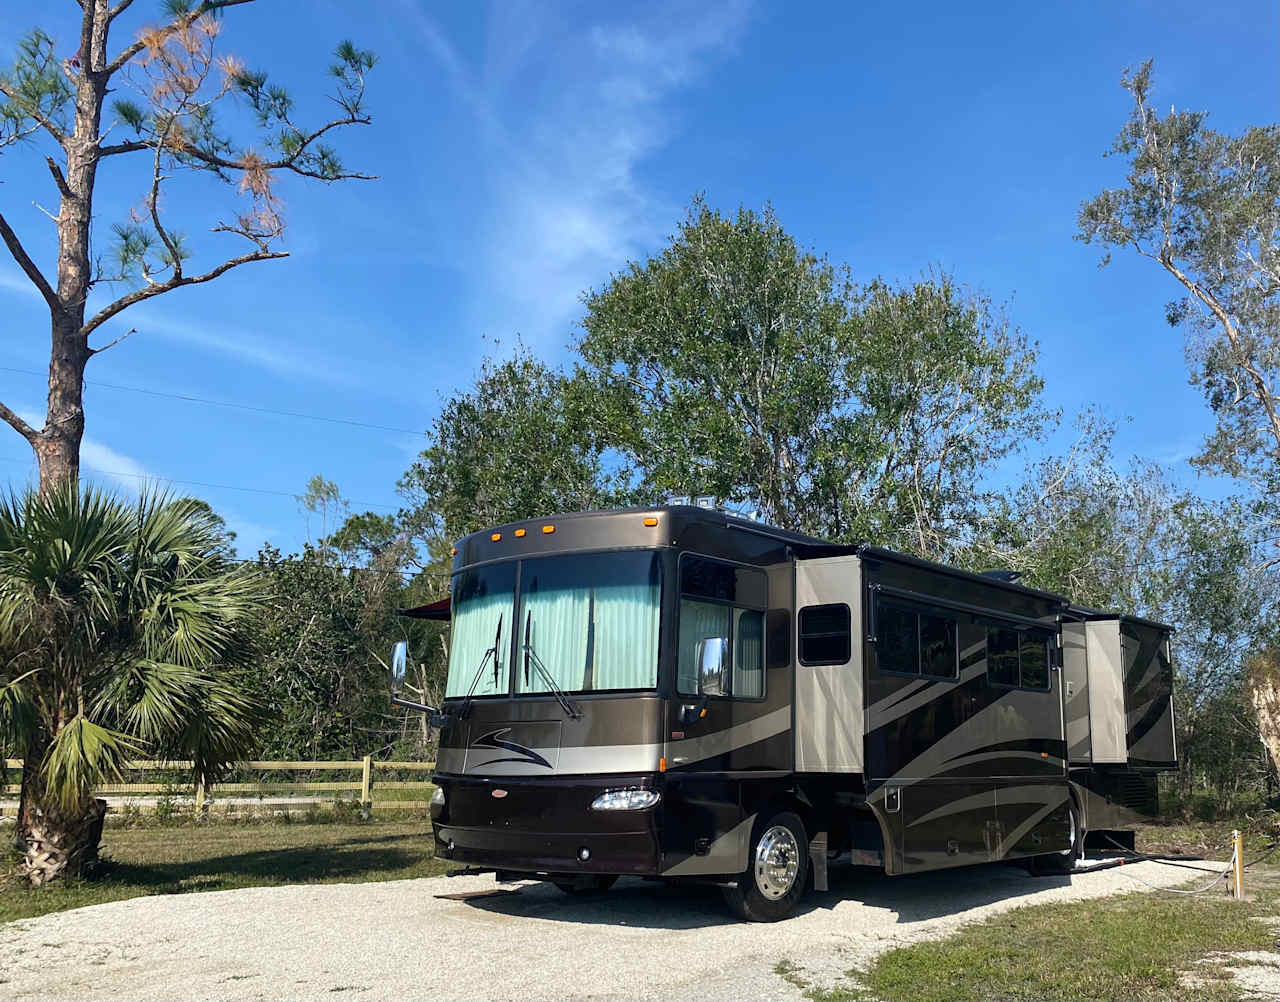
[698, 621]
[626, 636]
[559, 620]
[748, 654]
[474, 622]
[594, 621]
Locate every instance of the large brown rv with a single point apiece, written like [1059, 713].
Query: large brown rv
[682, 694]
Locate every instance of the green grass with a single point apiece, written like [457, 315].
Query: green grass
[220, 857]
[1211, 839]
[1133, 947]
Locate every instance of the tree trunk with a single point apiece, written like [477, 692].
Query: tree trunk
[58, 450]
[59, 447]
[60, 844]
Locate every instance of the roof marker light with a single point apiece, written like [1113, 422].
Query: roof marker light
[548, 529]
[453, 551]
[519, 534]
[651, 522]
[496, 536]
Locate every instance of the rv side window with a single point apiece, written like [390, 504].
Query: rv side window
[825, 635]
[721, 643]
[748, 654]
[1035, 661]
[897, 639]
[1018, 658]
[1002, 657]
[939, 655]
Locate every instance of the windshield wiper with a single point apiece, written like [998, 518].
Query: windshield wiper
[531, 657]
[492, 652]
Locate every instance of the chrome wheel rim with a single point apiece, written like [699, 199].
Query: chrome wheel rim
[777, 862]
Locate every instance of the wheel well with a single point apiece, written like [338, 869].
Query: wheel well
[791, 802]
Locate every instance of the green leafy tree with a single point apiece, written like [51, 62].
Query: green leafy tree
[124, 632]
[1205, 207]
[736, 364]
[168, 91]
[325, 634]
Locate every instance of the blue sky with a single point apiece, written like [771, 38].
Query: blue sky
[528, 150]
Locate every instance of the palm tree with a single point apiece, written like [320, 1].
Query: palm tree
[124, 629]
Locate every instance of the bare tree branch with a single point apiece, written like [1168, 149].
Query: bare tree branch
[118, 9]
[58, 178]
[173, 282]
[20, 426]
[24, 261]
[112, 344]
[133, 146]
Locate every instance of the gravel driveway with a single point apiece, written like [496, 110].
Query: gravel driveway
[406, 940]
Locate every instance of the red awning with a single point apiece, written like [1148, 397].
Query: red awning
[432, 610]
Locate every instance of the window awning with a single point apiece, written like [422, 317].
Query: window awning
[432, 610]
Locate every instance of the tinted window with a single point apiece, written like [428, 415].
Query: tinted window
[1002, 657]
[938, 655]
[973, 644]
[897, 639]
[825, 634]
[1035, 661]
[719, 582]
[778, 642]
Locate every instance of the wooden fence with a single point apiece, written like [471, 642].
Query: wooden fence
[366, 784]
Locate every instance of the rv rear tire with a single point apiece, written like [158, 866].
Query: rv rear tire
[777, 870]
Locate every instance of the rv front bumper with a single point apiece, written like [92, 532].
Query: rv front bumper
[546, 826]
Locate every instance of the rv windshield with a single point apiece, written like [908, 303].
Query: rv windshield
[591, 620]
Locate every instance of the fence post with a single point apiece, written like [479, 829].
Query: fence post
[1237, 868]
[366, 780]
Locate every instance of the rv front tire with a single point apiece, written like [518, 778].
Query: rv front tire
[777, 870]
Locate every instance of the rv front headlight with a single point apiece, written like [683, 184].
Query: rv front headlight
[625, 800]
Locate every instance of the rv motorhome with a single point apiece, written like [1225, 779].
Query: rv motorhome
[679, 694]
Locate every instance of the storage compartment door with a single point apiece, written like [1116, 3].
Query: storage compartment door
[829, 705]
[1106, 693]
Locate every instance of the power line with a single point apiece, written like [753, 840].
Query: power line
[201, 483]
[227, 403]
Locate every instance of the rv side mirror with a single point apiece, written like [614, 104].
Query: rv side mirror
[399, 666]
[712, 657]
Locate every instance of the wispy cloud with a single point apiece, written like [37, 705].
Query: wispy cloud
[296, 359]
[566, 114]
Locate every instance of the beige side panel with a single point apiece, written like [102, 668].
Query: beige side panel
[1075, 692]
[829, 706]
[1106, 693]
